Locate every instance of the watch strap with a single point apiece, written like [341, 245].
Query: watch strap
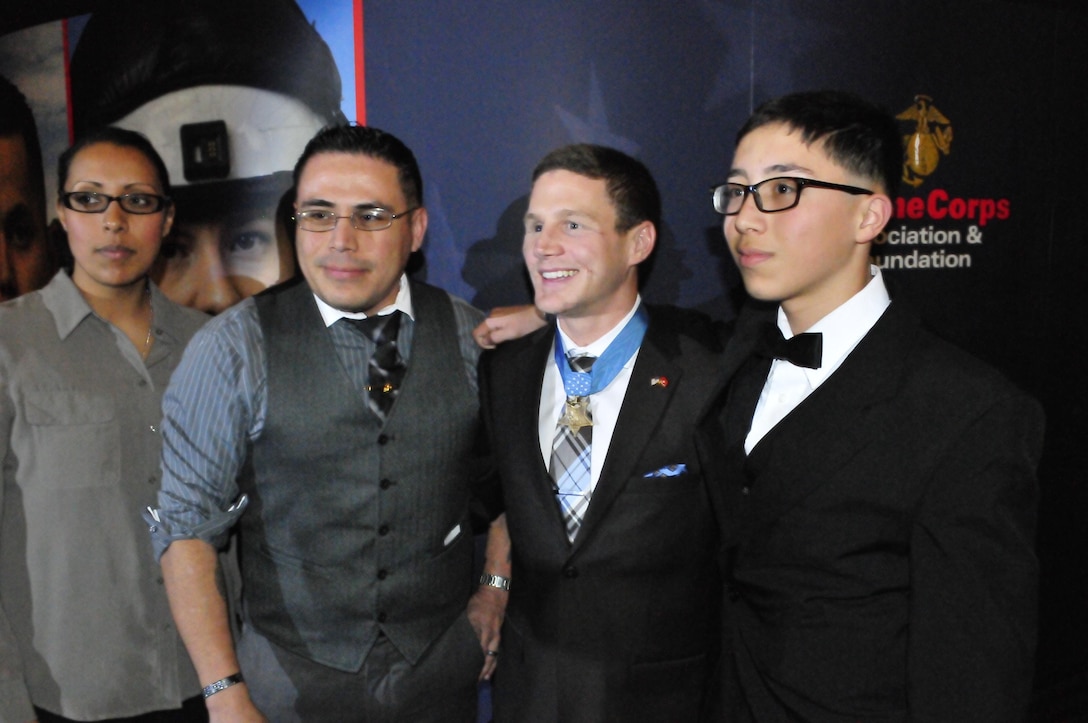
[222, 684]
[502, 583]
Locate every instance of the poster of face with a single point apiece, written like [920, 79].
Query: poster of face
[228, 93]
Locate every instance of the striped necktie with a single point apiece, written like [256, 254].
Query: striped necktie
[385, 370]
[571, 455]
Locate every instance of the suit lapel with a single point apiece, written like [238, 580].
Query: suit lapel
[828, 429]
[643, 408]
[522, 414]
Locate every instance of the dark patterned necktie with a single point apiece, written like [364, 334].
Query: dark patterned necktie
[385, 370]
[571, 457]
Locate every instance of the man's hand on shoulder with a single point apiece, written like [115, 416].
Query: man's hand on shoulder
[506, 323]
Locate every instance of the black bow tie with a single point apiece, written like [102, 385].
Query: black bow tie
[803, 350]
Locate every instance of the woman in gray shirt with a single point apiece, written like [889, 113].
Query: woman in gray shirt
[85, 628]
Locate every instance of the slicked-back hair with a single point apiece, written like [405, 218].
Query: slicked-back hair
[629, 183]
[114, 136]
[16, 120]
[372, 142]
[857, 135]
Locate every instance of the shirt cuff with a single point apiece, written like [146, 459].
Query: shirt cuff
[214, 531]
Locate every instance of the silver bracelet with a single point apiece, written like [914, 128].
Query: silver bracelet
[502, 583]
[222, 684]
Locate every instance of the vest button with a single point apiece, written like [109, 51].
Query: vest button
[385, 484]
[382, 574]
[383, 439]
[570, 572]
[383, 530]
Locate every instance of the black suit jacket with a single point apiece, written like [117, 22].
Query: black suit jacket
[621, 625]
[880, 538]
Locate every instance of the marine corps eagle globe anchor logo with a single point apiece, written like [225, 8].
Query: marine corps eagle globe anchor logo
[932, 136]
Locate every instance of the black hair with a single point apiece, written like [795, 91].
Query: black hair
[859, 136]
[629, 183]
[116, 137]
[372, 142]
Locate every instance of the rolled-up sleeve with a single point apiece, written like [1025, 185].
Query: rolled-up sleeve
[212, 409]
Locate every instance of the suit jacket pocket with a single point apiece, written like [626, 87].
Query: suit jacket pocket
[654, 483]
[672, 690]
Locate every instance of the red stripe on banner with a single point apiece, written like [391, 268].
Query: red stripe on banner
[68, 79]
[360, 66]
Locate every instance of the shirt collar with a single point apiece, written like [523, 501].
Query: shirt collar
[65, 303]
[844, 327]
[402, 303]
[597, 348]
[68, 307]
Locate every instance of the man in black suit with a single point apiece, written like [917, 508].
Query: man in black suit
[876, 485]
[612, 609]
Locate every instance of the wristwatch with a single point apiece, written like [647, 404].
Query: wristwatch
[503, 583]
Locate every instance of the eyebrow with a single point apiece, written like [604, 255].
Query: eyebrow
[127, 187]
[564, 214]
[322, 203]
[776, 168]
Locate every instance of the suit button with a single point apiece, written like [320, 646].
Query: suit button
[745, 490]
[383, 530]
[570, 572]
[381, 617]
[383, 439]
[382, 574]
[385, 484]
[733, 595]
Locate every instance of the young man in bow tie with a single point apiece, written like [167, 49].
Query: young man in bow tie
[613, 603]
[875, 485]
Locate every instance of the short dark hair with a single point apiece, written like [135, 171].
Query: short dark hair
[16, 120]
[372, 142]
[629, 183]
[859, 136]
[117, 137]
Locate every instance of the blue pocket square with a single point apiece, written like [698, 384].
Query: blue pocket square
[672, 470]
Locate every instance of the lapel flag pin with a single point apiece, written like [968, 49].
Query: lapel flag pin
[659, 382]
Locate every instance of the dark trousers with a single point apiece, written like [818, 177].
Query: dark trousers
[441, 687]
[191, 711]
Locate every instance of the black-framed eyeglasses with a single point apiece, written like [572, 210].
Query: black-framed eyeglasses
[363, 219]
[773, 195]
[94, 202]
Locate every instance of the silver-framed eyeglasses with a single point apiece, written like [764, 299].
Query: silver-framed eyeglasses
[94, 202]
[364, 219]
[773, 195]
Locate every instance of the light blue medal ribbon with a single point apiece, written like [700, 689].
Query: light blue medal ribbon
[608, 364]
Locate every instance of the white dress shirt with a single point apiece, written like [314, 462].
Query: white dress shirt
[788, 385]
[604, 406]
[403, 302]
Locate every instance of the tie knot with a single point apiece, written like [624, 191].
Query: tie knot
[581, 363]
[803, 350]
[379, 329]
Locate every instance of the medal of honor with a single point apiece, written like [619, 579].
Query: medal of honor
[576, 414]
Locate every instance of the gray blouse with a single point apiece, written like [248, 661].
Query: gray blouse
[85, 628]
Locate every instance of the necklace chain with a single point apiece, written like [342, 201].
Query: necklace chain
[150, 323]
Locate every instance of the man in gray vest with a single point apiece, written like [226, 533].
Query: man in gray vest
[334, 421]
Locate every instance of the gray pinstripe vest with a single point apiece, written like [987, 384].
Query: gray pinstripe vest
[348, 520]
